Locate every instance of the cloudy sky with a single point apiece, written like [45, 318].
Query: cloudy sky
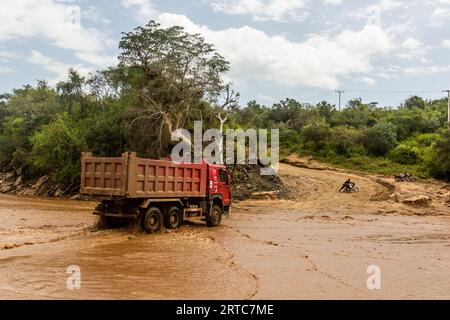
[380, 50]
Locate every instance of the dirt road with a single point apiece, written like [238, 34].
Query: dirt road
[316, 245]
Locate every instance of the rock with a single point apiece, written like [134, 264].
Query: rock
[422, 201]
[58, 191]
[394, 197]
[6, 187]
[85, 197]
[18, 181]
[28, 192]
[265, 195]
[9, 175]
[40, 182]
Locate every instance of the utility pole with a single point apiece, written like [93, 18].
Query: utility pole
[448, 109]
[340, 92]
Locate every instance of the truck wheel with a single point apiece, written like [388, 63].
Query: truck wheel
[103, 223]
[173, 218]
[215, 217]
[152, 221]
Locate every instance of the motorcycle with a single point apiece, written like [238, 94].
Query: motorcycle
[404, 177]
[349, 188]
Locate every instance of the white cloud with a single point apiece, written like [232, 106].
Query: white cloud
[384, 75]
[374, 12]
[93, 14]
[427, 70]
[333, 2]
[316, 62]
[50, 19]
[368, 80]
[413, 49]
[446, 43]
[411, 44]
[439, 16]
[56, 67]
[261, 10]
[146, 10]
[386, 5]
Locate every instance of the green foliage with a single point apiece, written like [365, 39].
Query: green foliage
[57, 148]
[24, 112]
[380, 139]
[344, 140]
[414, 102]
[405, 154]
[316, 134]
[439, 165]
[166, 79]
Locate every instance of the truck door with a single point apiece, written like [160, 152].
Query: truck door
[224, 187]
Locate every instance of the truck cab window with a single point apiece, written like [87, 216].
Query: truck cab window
[223, 177]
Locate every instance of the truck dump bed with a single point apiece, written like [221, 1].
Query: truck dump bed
[132, 177]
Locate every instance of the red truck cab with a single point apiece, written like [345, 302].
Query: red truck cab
[219, 182]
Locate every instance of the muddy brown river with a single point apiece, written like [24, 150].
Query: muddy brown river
[316, 246]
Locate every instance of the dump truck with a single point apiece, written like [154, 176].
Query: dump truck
[156, 193]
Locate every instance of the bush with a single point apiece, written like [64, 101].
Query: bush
[404, 154]
[344, 140]
[316, 134]
[380, 139]
[439, 166]
[57, 149]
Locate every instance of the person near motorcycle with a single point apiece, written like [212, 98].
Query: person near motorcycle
[347, 185]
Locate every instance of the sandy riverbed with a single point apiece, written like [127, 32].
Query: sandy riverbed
[317, 245]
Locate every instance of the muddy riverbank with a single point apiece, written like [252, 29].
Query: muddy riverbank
[315, 245]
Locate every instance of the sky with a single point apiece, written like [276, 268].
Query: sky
[380, 50]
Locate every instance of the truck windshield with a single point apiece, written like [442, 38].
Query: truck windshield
[223, 177]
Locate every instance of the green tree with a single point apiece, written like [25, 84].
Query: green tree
[439, 165]
[27, 110]
[57, 149]
[405, 154]
[167, 75]
[316, 134]
[344, 140]
[71, 92]
[380, 139]
[414, 102]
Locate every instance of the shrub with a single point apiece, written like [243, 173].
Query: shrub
[57, 148]
[404, 154]
[439, 166]
[316, 134]
[380, 139]
[344, 140]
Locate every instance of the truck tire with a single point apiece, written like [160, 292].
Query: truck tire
[173, 218]
[215, 217]
[152, 220]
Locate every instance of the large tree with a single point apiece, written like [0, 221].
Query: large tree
[169, 77]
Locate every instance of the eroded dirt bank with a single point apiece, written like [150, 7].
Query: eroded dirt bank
[317, 244]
